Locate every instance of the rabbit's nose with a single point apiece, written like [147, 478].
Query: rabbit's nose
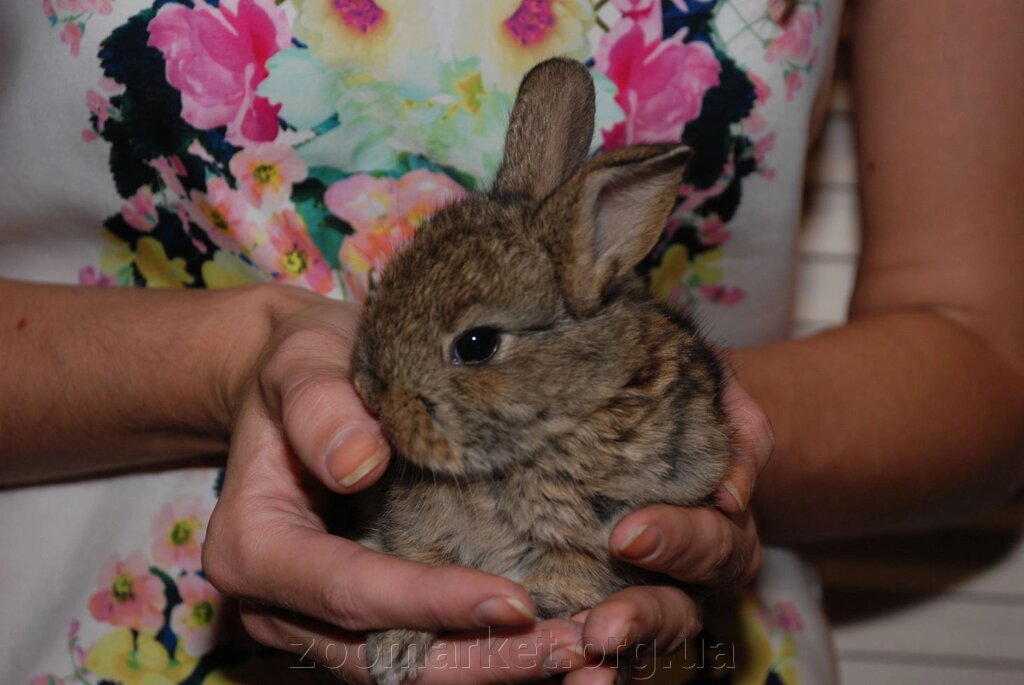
[407, 420]
[369, 391]
[398, 399]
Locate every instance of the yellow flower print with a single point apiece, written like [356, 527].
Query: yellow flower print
[380, 36]
[157, 269]
[470, 90]
[511, 36]
[226, 270]
[255, 670]
[669, 275]
[138, 660]
[705, 267]
[738, 647]
[116, 259]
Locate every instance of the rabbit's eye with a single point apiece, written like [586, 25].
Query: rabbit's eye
[476, 345]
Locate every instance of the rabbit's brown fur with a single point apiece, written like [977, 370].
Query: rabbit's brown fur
[598, 401]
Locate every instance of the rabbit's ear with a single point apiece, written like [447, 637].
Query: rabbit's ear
[621, 201]
[549, 130]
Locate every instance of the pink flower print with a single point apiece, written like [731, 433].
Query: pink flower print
[267, 172]
[788, 618]
[721, 294]
[111, 86]
[216, 57]
[72, 36]
[385, 214]
[762, 91]
[170, 171]
[90, 276]
[509, 37]
[661, 85]
[98, 105]
[794, 82]
[129, 596]
[48, 679]
[643, 13]
[51, 14]
[221, 213]
[531, 22]
[755, 121]
[290, 253]
[140, 212]
[363, 256]
[100, 6]
[713, 231]
[795, 41]
[178, 533]
[694, 197]
[196, 148]
[762, 147]
[371, 204]
[194, 620]
[362, 34]
[361, 15]
[77, 651]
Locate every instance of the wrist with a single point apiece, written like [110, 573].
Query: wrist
[109, 378]
[247, 320]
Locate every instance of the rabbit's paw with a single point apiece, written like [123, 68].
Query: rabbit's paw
[396, 656]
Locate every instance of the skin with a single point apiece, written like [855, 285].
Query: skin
[930, 368]
[284, 401]
[930, 365]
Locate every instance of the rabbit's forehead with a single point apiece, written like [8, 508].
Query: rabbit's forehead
[487, 280]
[457, 275]
[473, 257]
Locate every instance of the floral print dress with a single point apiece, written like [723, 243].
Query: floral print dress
[211, 143]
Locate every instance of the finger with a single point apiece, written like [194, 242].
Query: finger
[752, 446]
[600, 674]
[263, 545]
[316, 645]
[505, 656]
[693, 545]
[347, 585]
[640, 619]
[591, 673]
[327, 426]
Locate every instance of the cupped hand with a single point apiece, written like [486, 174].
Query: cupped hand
[300, 431]
[708, 548]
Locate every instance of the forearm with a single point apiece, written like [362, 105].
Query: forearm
[896, 420]
[96, 379]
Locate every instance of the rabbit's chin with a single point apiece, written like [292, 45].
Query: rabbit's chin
[456, 462]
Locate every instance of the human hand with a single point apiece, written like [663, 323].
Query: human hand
[300, 432]
[713, 548]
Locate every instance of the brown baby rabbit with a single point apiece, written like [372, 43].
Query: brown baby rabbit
[533, 390]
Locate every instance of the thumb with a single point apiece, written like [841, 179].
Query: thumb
[332, 433]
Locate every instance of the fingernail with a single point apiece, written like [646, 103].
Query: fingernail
[564, 659]
[522, 609]
[503, 611]
[354, 442]
[642, 543]
[751, 463]
[630, 634]
[731, 489]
